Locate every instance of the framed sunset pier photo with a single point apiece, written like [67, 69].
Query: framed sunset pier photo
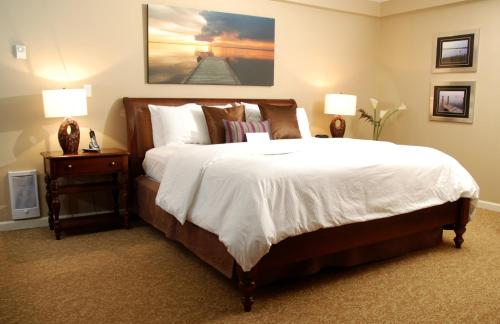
[191, 46]
[452, 101]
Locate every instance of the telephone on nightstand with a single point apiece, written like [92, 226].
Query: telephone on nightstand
[93, 146]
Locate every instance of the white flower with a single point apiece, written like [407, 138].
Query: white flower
[374, 103]
[402, 106]
[382, 113]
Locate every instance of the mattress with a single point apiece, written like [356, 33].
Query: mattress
[156, 159]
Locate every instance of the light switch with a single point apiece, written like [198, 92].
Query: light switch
[21, 52]
[88, 88]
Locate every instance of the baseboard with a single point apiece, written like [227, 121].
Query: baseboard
[39, 222]
[44, 221]
[488, 205]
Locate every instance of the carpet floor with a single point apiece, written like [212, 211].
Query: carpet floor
[137, 276]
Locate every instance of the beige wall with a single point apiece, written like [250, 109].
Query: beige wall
[75, 42]
[406, 53]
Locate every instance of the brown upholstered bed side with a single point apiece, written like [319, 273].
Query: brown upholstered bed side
[203, 244]
[307, 253]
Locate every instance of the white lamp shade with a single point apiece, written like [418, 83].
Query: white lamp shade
[340, 104]
[64, 102]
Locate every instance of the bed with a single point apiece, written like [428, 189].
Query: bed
[307, 253]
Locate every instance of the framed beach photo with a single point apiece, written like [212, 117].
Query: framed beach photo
[193, 46]
[452, 102]
[456, 52]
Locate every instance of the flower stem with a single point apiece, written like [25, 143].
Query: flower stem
[384, 120]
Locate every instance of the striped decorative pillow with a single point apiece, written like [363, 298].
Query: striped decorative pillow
[236, 130]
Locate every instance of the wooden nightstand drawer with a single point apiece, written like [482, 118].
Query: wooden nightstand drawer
[88, 166]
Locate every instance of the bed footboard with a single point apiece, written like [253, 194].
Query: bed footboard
[354, 244]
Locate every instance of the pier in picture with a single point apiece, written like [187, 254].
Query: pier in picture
[452, 101]
[189, 46]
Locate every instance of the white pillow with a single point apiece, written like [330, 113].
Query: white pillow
[252, 114]
[201, 136]
[179, 124]
[303, 121]
[157, 124]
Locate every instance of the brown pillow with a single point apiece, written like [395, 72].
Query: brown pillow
[283, 120]
[214, 117]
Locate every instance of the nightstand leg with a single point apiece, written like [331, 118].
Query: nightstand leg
[116, 196]
[125, 200]
[48, 198]
[56, 207]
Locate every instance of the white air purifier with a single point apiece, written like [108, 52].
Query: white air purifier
[23, 194]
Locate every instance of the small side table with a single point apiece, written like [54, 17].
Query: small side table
[112, 162]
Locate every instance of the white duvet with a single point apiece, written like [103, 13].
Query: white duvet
[255, 196]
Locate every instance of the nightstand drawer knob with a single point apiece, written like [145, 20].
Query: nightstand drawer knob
[69, 166]
[112, 163]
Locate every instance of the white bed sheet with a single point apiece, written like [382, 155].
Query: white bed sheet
[253, 196]
[157, 158]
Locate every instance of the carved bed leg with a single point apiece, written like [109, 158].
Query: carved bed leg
[459, 231]
[462, 220]
[247, 286]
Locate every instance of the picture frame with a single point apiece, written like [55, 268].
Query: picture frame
[201, 47]
[456, 52]
[452, 102]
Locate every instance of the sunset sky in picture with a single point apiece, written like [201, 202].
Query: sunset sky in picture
[209, 29]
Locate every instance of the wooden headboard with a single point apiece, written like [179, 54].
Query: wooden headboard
[139, 130]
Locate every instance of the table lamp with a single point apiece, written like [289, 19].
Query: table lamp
[339, 104]
[66, 103]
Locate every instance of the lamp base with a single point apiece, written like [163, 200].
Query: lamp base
[69, 141]
[337, 130]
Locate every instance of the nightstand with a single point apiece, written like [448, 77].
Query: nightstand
[107, 162]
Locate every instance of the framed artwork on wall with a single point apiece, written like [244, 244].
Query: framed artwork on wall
[452, 101]
[192, 46]
[456, 52]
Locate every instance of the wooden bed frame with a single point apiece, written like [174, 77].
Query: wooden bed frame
[345, 245]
